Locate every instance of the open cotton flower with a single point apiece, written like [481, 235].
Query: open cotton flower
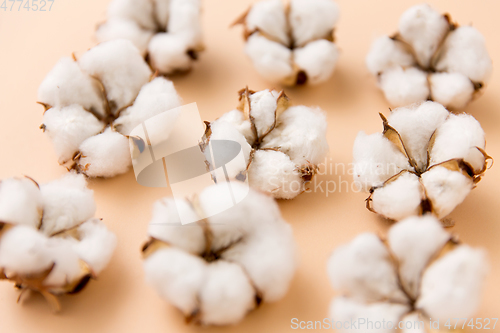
[93, 103]
[167, 32]
[222, 266]
[50, 241]
[282, 144]
[292, 44]
[430, 58]
[419, 272]
[426, 160]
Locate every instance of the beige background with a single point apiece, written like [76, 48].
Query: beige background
[32, 42]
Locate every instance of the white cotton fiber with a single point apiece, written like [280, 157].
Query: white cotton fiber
[452, 285]
[155, 97]
[117, 28]
[185, 19]
[67, 266]
[301, 134]
[272, 60]
[263, 105]
[446, 189]
[269, 18]
[364, 271]
[312, 19]
[414, 242]
[404, 86]
[416, 124]
[464, 51]
[161, 9]
[458, 138]
[168, 52]
[399, 198]
[67, 84]
[376, 159]
[67, 202]
[105, 155]
[237, 119]
[317, 59]
[23, 250]
[68, 127]
[453, 90]
[386, 53]
[424, 29]
[120, 67]
[20, 202]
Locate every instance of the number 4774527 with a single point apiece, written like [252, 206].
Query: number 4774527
[27, 5]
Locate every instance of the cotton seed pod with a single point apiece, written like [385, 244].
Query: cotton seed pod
[167, 32]
[282, 144]
[92, 104]
[292, 44]
[50, 241]
[220, 267]
[426, 160]
[419, 271]
[430, 58]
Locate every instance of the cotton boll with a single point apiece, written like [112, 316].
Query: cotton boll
[414, 242]
[446, 189]
[105, 155]
[272, 60]
[177, 276]
[317, 59]
[133, 10]
[404, 86]
[166, 225]
[415, 125]
[274, 172]
[120, 67]
[96, 245]
[451, 286]
[263, 106]
[237, 119]
[20, 202]
[385, 53]
[454, 90]
[464, 51]
[154, 98]
[269, 257]
[458, 138]
[399, 198]
[185, 18]
[23, 251]
[169, 52]
[312, 20]
[66, 203]
[364, 271]
[117, 28]
[346, 310]
[301, 134]
[68, 127]
[66, 84]
[227, 294]
[376, 159]
[424, 29]
[269, 17]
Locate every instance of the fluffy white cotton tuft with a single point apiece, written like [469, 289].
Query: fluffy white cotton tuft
[169, 52]
[312, 19]
[20, 202]
[68, 127]
[120, 67]
[263, 105]
[452, 285]
[404, 86]
[363, 270]
[399, 198]
[269, 18]
[105, 155]
[272, 60]
[118, 28]
[386, 53]
[66, 203]
[317, 59]
[453, 90]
